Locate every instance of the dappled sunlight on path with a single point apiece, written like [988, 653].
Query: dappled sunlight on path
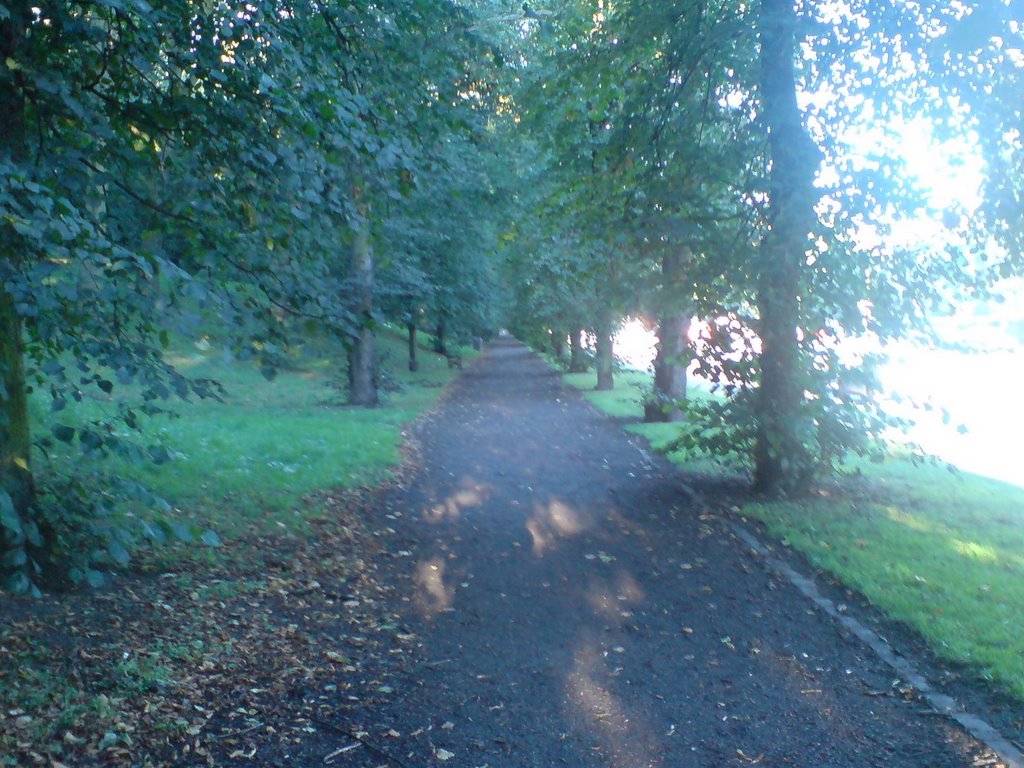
[550, 522]
[569, 608]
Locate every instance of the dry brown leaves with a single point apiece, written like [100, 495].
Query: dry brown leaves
[205, 665]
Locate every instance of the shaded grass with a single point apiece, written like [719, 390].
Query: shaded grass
[942, 553]
[245, 464]
[100, 677]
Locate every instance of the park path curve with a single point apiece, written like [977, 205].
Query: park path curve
[571, 607]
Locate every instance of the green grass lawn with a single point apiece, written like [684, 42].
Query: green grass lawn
[942, 553]
[625, 401]
[245, 464]
[939, 552]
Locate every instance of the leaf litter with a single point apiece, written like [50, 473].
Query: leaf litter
[235, 661]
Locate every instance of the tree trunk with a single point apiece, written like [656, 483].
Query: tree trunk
[670, 370]
[16, 480]
[15, 436]
[414, 364]
[673, 352]
[782, 461]
[558, 346]
[440, 343]
[577, 357]
[605, 352]
[362, 357]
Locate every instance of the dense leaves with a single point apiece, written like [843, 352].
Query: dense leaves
[192, 168]
[673, 128]
[256, 169]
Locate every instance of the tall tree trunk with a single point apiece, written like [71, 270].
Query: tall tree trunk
[414, 363]
[440, 342]
[670, 370]
[673, 352]
[362, 357]
[577, 357]
[782, 462]
[15, 436]
[16, 479]
[558, 345]
[605, 351]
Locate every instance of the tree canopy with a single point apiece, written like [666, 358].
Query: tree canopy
[464, 165]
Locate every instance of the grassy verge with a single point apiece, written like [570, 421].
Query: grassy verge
[942, 553]
[626, 402]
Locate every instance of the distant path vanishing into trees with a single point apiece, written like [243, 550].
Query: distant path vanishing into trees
[572, 609]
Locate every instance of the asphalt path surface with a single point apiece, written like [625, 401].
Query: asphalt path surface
[572, 607]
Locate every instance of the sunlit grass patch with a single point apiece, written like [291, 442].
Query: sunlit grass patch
[625, 401]
[941, 553]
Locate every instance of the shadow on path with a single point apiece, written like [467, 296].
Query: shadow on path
[569, 608]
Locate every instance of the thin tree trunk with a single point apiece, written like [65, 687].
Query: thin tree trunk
[577, 357]
[440, 342]
[414, 363]
[605, 352]
[17, 485]
[782, 461]
[363, 352]
[558, 345]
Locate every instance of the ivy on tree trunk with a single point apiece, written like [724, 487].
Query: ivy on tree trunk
[15, 437]
[17, 486]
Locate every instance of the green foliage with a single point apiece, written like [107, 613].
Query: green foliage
[85, 523]
[180, 167]
[196, 167]
[650, 126]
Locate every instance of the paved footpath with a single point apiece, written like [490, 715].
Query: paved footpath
[572, 609]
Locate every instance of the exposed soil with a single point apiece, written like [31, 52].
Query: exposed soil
[541, 593]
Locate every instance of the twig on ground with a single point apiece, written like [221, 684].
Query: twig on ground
[357, 738]
[341, 751]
